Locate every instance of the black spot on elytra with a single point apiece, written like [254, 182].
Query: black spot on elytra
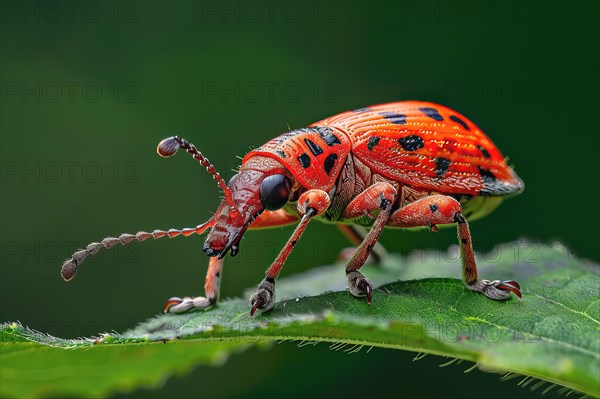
[313, 147]
[411, 143]
[365, 109]
[464, 241]
[432, 113]
[485, 152]
[304, 160]
[441, 166]
[373, 141]
[281, 153]
[488, 177]
[294, 242]
[329, 162]
[398, 119]
[433, 208]
[459, 121]
[327, 136]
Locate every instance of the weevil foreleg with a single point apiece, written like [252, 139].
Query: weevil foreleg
[213, 275]
[212, 285]
[378, 197]
[310, 204]
[440, 209]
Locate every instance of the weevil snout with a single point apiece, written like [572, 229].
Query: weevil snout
[262, 184]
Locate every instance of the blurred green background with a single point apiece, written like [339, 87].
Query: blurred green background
[88, 90]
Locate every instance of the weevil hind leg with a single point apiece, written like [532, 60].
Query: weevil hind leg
[440, 209]
[211, 290]
[358, 285]
[356, 234]
[497, 289]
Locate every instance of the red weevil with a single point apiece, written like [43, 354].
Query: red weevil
[399, 165]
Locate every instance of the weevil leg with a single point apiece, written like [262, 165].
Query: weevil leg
[378, 197]
[497, 290]
[212, 285]
[356, 234]
[213, 276]
[440, 209]
[310, 204]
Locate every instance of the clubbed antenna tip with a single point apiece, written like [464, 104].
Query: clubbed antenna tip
[68, 270]
[168, 147]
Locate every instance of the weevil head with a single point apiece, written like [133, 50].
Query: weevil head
[261, 184]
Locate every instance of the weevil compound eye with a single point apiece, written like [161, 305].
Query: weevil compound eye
[275, 191]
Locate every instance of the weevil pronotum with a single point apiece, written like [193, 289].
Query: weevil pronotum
[400, 165]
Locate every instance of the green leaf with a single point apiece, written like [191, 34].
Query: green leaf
[68, 368]
[552, 334]
[78, 368]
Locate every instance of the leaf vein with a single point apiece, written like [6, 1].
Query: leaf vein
[584, 314]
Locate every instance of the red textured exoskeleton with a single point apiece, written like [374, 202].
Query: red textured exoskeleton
[404, 164]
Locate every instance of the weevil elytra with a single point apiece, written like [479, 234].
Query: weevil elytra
[399, 165]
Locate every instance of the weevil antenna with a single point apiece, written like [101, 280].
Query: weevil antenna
[69, 267]
[169, 146]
